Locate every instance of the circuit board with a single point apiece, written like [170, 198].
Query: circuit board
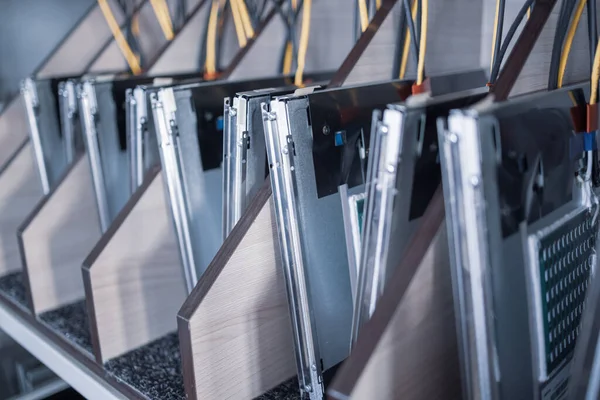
[565, 256]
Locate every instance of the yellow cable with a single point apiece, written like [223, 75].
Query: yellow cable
[135, 25]
[378, 4]
[595, 75]
[164, 20]
[364, 14]
[211, 38]
[495, 34]
[289, 49]
[406, 49]
[528, 12]
[564, 57]
[287, 59]
[166, 15]
[237, 23]
[130, 57]
[303, 46]
[246, 19]
[423, 42]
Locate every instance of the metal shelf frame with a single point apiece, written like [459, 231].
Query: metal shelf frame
[83, 379]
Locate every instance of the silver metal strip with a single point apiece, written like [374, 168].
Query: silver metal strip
[239, 161]
[164, 108]
[372, 276]
[280, 153]
[141, 124]
[467, 227]
[89, 110]
[229, 139]
[29, 92]
[352, 245]
[68, 113]
[132, 149]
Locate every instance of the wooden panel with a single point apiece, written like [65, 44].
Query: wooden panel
[417, 356]
[20, 190]
[13, 129]
[82, 45]
[234, 329]
[110, 60]
[134, 283]
[322, 55]
[182, 55]
[57, 238]
[451, 45]
[534, 76]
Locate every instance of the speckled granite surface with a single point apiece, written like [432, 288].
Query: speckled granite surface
[288, 390]
[71, 321]
[153, 370]
[12, 287]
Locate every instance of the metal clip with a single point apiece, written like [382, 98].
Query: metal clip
[28, 88]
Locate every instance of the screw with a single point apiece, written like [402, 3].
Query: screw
[384, 129]
[474, 181]
[453, 138]
[285, 149]
[313, 367]
[390, 168]
[308, 388]
[326, 130]
[271, 116]
[233, 112]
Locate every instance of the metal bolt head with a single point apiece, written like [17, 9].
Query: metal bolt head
[326, 130]
[390, 168]
[233, 112]
[313, 367]
[384, 129]
[271, 116]
[474, 181]
[307, 388]
[453, 138]
[285, 149]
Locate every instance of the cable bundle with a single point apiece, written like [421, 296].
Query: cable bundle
[129, 45]
[413, 34]
[246, 17]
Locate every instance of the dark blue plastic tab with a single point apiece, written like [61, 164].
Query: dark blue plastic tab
[340, 138]
[588, 141]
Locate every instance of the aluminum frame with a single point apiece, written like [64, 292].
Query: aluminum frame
[194, 189]
[310, 225]
[397, 165]
[493, 276]
[52, 151]
[244, 155]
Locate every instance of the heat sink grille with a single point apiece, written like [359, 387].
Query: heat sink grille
[565, 261]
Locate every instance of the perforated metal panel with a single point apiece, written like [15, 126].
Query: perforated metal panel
[565, 255]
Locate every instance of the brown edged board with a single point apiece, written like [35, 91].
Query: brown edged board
[332, 19]
[89, 47]
[133, 280]
[133, 277]
[71, 57]
[358, 375]
[427, 251]
[20, 190]
[56, 237]
[234, 329]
